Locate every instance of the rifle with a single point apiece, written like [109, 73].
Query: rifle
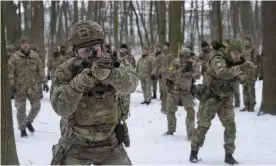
[102, 62]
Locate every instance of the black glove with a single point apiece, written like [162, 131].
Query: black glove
[160, 77]
[46, 88]
[48, 77]
[153, 77]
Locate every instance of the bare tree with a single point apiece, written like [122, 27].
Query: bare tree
[115, 24]
[216, 8]
[161, 18]
[137, 23]
[234, 9]
[76, 12]
[269, 59]
[10, 18]
[8, 148]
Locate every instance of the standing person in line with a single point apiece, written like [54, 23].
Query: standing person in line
[146, 73]
[24, 67]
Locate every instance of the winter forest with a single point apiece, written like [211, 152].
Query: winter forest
[140, 25]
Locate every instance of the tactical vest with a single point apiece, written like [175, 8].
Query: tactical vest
[97, 113]
[219, 87]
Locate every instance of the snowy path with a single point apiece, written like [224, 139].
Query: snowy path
[256, 137]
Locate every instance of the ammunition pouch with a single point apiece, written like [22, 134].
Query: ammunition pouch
[59, 152]
[120, 132]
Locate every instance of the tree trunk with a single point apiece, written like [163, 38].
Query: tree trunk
[202, 20]
[76, 12]
[8, 147]
[151, 24]
[132, 39]
[115, 24]
[53, 23]
[137, 23]
[176, 34]
[246, 18]
[26, 18]
[218, 22]
[39, 25]
[228, 15]
[89, 13]
[170, 21]
[269, 59]
[161, 6]
[65, 13]
[144, 24]
[10, 18]
[82, 14]
[111, 24]
[234, 18]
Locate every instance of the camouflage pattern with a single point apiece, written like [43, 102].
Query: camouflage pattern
[250, 70]
[35, 48]
[204, 57]
[146, 68]
[89, 103]
[237, 93]
[160, 59]
[164, 67]
[218, 99]
[179, 82]
[23, 76]
[53, 63]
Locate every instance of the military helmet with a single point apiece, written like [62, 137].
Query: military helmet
[85, 32]
[186, 53]
[235, 46]
[11, 48]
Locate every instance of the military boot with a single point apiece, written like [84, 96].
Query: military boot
[193, 156]
[30, 127]
[229, 159]
[23, 133]
[154, 95]
[168, 133]
[144, 102]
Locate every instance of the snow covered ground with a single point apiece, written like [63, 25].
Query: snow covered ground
[256, 136]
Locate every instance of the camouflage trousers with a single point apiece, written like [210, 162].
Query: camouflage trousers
[146, 84]
[249, 95]
[75, 154]
[21, 99]
[154, 85]
[237, 93]
[188, 102]
[206, 113]
[163, 90]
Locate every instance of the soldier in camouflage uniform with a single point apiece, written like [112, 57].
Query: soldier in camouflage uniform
[24, 68]
[124, 53]
[222, 72]
[226, 43]
[160, 59]
[182, 72]
[86, 91]
[54, 62]
[146, 73]
[163, 70]
[250, 70]
[249, 55]
[64, 53]
[204, 55]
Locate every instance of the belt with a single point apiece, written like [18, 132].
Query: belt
[86, 142]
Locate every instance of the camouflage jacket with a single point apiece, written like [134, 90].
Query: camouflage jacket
[250, 70]
[160, 59]
[146, 66]
[180, 77]
[92, 115]
[165, 63]
[53, 63]
[221, 76]
[204, 57]
[249, 54]
[26, 72]
[130, 59]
